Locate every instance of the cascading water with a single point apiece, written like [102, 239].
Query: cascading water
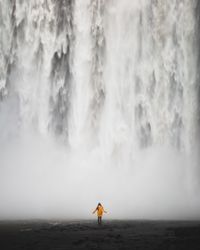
[99, 100]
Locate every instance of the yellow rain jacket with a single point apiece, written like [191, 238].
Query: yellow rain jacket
[100, 211]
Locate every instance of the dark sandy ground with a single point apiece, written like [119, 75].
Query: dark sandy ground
[114, 235]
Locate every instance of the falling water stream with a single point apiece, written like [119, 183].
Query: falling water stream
[99, 100]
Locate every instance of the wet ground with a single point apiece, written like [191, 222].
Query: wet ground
[114, 235]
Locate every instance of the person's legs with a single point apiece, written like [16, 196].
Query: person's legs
[99, 220]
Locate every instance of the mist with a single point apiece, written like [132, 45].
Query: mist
[99, 102]
[43, 178]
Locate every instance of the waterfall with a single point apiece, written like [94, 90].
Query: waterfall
[103, 89]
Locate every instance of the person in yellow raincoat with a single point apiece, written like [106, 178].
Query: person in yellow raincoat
[100, 210]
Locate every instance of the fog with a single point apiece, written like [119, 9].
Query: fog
[42, 178]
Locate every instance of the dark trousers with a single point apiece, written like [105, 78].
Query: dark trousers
[99, 220]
